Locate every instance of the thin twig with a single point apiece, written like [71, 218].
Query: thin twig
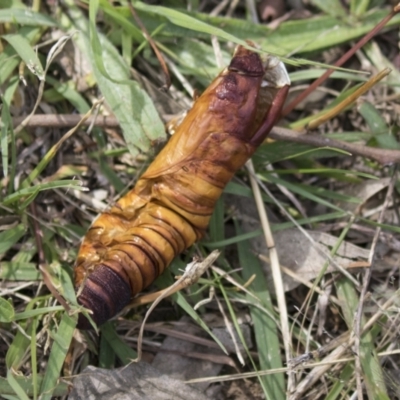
[191, 275]
[382, 156]
[148, 37]
[246, 375]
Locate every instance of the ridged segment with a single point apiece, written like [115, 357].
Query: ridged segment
[169, 209]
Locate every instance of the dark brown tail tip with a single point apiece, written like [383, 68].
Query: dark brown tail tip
[105, 293]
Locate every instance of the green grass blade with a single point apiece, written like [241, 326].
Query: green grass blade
[34, 359]
[6, 126]
[118, 346]
[336, 391]
[184, 20]
[297, 189]
[68, 92]
[17, 350]
[34, 190]
[27, 385]
[371, 368]
[265, 329]
[11, 236]
[37, 311]
[373, 118]
[7, 313]
[107, 353]
[62, 340]
[19, 391]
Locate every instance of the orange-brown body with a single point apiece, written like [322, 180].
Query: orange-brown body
[130, 245]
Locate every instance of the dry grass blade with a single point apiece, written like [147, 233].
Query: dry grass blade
[276, 272]
[366, 281]
[349, 100]
[55, 50]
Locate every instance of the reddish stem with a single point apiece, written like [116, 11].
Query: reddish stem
[341, 61]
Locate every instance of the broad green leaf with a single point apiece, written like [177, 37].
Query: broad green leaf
[25, 17]
[359, 7]
[131, 105]
[314, 73]
[296, 36]
[332, 7]
[8, 59]
[67, 289]
[340, 384]
[187, 54]
[121, 16]
[378, 59]
[23, 48]
[382, 136]
[68, 92]
[350, 137]
[291, 37]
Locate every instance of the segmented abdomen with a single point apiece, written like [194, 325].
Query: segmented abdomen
[169, 209]
[130, 245]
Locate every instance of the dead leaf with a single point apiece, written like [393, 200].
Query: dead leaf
[175, 358]
[297, 253]
[295, 250]
[364, 191]
[138, 381]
